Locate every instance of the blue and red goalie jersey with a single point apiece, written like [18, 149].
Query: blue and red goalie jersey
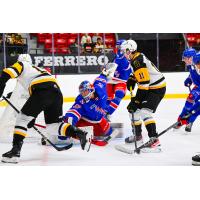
[91, 111]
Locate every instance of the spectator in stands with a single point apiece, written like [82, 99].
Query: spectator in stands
[88, 47]
[84, 39]
[95, 37]
[15, 44]
[18, 40]
[99, 47]
[73, 48]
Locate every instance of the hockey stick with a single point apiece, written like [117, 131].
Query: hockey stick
[133, 125]
[41, 134]
[151, 141]
[7, 97]
[189, 88]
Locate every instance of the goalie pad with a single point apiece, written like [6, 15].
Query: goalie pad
[52, 134]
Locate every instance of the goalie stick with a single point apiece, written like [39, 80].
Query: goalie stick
[41, 134]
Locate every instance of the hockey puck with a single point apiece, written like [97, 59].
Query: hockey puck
[43, 141]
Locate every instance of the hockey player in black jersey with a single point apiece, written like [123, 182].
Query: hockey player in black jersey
[151, 89]
[45, 95]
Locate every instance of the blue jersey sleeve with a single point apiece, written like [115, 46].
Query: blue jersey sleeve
[195, 76]
[100, 89]
[74, 114]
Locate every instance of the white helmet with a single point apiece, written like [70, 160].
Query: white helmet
[130, 45]
[25, 58]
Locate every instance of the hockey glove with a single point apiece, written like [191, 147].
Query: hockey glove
[188, 82]
[131, 82]
[183, 120]
[31, 123]
[8, 95]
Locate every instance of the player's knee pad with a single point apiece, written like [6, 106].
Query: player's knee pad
[133, 105]
[136, 115]
[23, 120]
[146, 114]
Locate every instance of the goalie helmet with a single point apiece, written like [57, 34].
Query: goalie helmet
[196, 58]
[129, 45]
[187, 53]
[25, 58]
[86, 90]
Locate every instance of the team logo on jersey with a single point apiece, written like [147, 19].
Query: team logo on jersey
[77, 106]
[100, 85]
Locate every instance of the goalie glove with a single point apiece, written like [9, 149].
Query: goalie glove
[109, 70]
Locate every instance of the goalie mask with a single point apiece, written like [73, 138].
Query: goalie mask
[25, 58]
[86, 90]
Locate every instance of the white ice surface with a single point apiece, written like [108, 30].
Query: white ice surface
[177, 147]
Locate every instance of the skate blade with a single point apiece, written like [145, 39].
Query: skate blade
[88, 144]
[151, 150]
[194, 163]
[13, 160]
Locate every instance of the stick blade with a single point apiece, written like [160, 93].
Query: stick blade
[123, 149]
[64, 147]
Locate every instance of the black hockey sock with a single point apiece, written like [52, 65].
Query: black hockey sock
[138, 130]
[151, 129]
[18, 141]
[17, 138]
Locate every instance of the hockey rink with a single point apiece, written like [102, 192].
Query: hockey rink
[177, 147]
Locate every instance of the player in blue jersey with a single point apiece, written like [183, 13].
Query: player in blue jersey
[191, 114]
[190, 59]
[90, 105]
[116, 87]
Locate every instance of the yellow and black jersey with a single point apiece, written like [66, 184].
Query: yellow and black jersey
[146, 74]
[30, 77]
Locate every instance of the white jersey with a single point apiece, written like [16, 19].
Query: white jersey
[146, 73]
[29, 76]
